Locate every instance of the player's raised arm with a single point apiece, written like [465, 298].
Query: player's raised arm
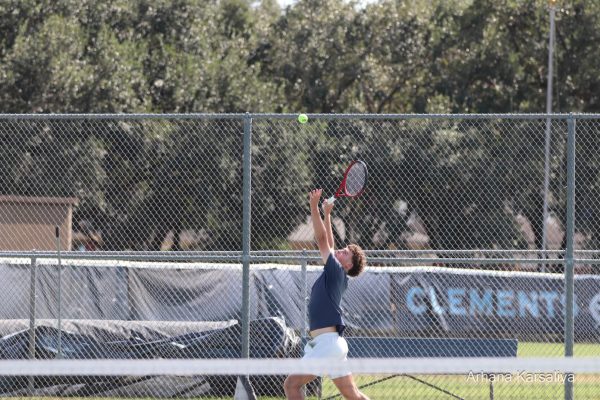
[317, 222]
[327, 208]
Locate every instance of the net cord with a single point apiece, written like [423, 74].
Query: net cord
[179, 367]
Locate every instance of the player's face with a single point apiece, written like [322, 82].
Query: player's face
[344, 256]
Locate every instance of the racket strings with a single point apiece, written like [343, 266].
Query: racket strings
[356, 179]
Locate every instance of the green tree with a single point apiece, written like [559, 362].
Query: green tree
[313, 52]
[401, 40]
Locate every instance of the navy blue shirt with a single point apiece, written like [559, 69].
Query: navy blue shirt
[326, 295]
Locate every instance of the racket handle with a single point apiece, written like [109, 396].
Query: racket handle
[331, 199]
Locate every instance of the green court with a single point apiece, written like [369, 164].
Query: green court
[516, 387]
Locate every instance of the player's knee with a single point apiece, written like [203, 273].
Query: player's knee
[349, 392]
[291, 384]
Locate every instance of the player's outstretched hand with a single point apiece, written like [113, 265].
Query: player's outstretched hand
[314, 196]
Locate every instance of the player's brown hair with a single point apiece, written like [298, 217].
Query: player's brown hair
[359, 260]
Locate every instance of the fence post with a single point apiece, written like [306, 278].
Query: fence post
[304, 288]
[569, 261]
[247, 202]
[59, 321]
[32, 275]
[304, 298]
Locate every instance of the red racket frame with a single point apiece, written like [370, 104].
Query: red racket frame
[341, 192]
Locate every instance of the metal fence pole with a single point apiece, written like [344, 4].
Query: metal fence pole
[569, 262]
[304, 286]
[304, 295]
[247, 202]
[59, 322]
[32, 274]
[548, 131]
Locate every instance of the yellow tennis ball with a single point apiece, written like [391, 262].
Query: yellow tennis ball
[303, 118]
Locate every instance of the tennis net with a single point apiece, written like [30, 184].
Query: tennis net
[390, 378]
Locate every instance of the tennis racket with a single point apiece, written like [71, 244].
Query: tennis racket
[354, 182]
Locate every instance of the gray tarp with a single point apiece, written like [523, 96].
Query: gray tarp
[409, 301]
[108, 339]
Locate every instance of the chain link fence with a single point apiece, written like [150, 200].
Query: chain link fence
[188, 236]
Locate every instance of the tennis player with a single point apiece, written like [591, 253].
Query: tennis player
[325, 315]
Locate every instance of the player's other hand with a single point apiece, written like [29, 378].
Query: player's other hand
[327, 206]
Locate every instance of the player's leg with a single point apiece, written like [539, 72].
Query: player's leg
[293, 383]
[344, 381]
[348, 388]
[293, 386]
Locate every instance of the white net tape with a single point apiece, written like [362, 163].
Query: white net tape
[423, 366]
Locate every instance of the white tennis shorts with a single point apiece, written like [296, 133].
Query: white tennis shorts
[329, 346]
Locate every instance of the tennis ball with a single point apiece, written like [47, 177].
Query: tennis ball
[303, 118]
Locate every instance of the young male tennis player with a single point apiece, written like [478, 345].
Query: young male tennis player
[325, 314]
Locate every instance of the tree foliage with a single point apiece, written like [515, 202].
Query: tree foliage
[331, 56]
